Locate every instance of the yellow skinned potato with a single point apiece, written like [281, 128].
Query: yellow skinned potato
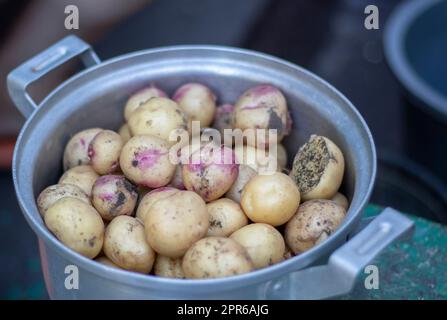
[341, 200]
[145, 161]
[55, 192]
[126, 246]
[168, 267]
[141, 97]
[152, 197]
[211, 171]
[106, 261]
[228, 258]
[264, 244]
[245, 174]
[318, 168]
[262, 107]
[271, 199]
[124, 132]
[104, 151]
[82, 176]
[77, 225]
[226, 216]
[76, 150]
[158, 117]
[314, 221]
[174, 223]
[114, 195]
[197, 101]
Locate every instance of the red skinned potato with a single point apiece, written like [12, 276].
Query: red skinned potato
[104, 151]
[82, 176]
[76, 150]
[114, 195]
[174, 223]
[262, 107]
[197, 101]
[211, 171]
[145, 161]
[141, 97]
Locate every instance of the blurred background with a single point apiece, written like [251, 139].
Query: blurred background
[326, 37]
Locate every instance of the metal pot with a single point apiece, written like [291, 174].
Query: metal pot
[95, 97]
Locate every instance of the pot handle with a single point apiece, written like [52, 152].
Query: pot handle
[32, 70]
[344, 265]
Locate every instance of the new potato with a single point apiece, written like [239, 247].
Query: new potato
[226, 216]
[82, 176]
[55, 192]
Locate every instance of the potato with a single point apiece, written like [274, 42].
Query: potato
[126, 246]
[341, 200]
[271, 199]
[168, 267]
[104, 151]
[318, 168]
[124, 132]
[257, 159]
[245, 174]
[174, 223]
[264, 244]
[106, 261]
[197, 101]
[158, 117]
[314, 221]
[55, 192]
[281, 156]
[177, 179]
[226, 216]
[77, 225]
[262, 107]
[145, 161]
[288, 253]
[150, 198]
[216, 257]
[140, 98]
[211, 171]
[82, 176]
[222, 118]
[76, 150]
[114, 195]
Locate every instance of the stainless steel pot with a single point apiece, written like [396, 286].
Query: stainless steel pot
[95, 97]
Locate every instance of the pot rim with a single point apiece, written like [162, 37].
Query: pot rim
[200, 285]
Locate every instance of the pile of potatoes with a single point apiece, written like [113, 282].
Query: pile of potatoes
[122, 202]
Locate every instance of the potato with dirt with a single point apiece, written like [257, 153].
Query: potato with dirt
[245, 174]
[145, 161]
[216, 257]
[114, 195]
[271, 199]
[168, 267]
[82, 176]
[76, 150]
[318, 168]
[55, 192]
[125, 245]
[226, 216]
[197, 101]
[312, 224]
[174, 223]
[159, 117]
[152, 197]
[262, 107]
[264, 244]
[210, 172]
[77, 225]
[104, 152]
[140, 97]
